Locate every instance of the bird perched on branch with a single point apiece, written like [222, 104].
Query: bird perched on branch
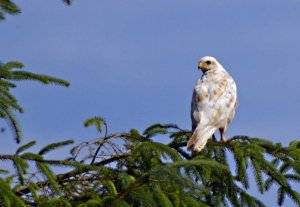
[213, 103]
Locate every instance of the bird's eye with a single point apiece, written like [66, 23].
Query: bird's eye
[208, 62]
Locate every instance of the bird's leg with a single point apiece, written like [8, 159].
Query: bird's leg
[223, 139]
[214, 137]
[222, 133]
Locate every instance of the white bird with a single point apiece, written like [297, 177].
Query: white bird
[213, 103]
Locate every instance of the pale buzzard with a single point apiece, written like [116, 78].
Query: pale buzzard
[213, 103]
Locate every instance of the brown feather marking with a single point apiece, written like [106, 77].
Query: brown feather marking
[217, 92]
[202, 96]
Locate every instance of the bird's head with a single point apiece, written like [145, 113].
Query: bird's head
[208, 63]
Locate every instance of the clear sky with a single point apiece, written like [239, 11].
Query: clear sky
[135, 63]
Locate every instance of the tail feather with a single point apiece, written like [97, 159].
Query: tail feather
[200, 136]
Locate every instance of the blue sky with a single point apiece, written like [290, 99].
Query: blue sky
[135, 63]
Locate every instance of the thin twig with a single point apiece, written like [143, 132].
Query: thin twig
[98, 149]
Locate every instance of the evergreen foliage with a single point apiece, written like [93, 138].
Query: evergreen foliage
[10, 73]
[131, 169]
[9, 7]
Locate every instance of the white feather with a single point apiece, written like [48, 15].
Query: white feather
[213, 102]
[201, 135]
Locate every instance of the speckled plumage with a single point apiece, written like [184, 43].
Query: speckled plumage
[213, 103]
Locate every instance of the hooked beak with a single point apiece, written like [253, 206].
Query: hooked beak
[200, 66]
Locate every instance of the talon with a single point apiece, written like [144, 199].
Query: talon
[222, 133]
[223, 139]
[226, 140]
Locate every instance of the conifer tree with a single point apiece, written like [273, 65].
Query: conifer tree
[10, 73]
[131, 169]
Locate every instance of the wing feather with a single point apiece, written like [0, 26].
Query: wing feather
[213, 105]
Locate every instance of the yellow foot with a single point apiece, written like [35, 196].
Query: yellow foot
[225, 140]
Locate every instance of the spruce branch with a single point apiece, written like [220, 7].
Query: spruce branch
[98, 122]
[9, 74]
[25, 147]
[24, 75]
[7, 197]
[133, 169]
[9, 7]
[54, 146]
